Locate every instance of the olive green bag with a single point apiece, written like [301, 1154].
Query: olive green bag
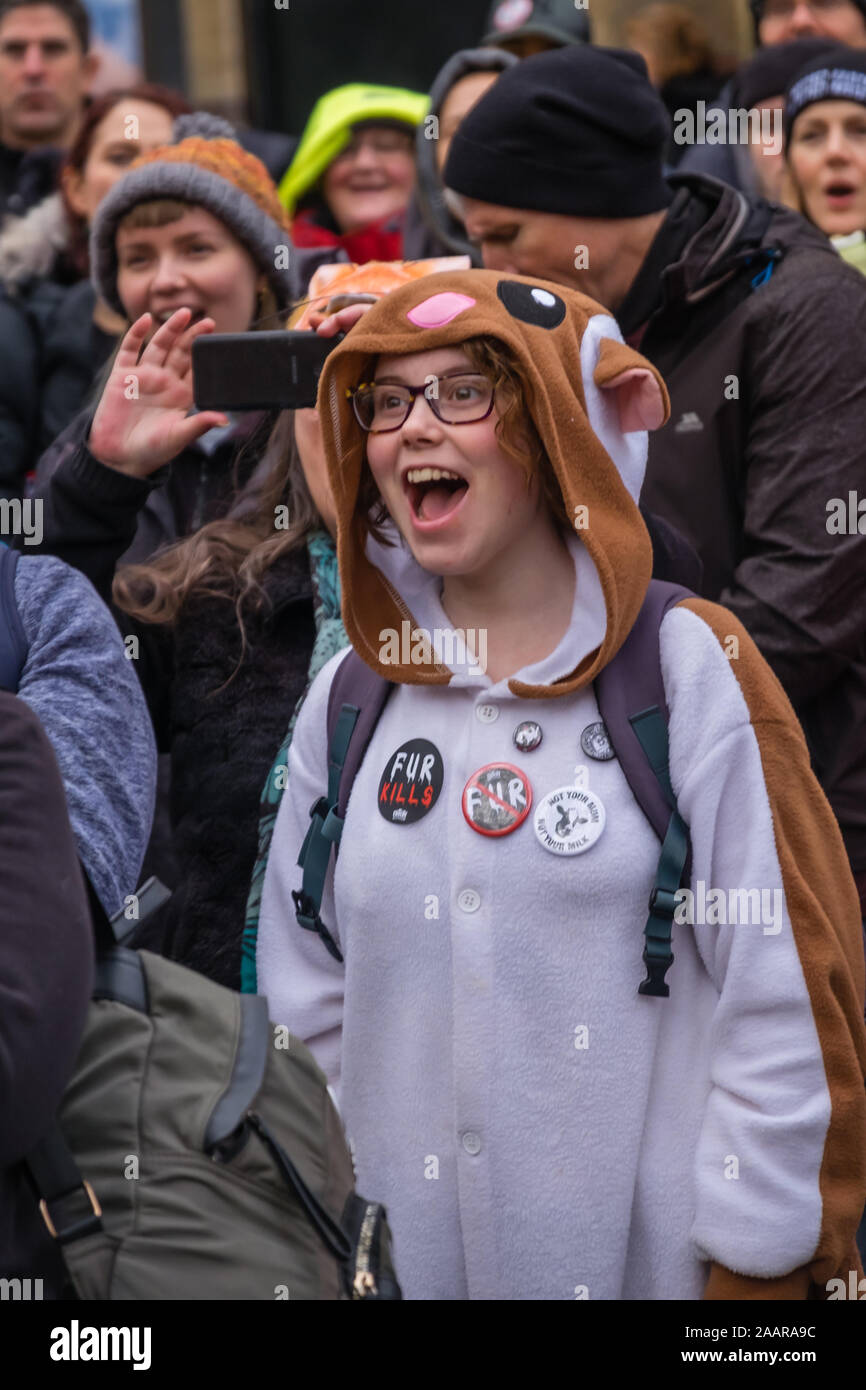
[198, 1153]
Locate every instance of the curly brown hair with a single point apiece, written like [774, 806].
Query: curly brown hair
[515, 430]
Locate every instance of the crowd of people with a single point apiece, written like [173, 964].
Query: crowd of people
[575, 534]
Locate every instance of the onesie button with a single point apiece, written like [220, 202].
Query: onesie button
[469, 900]
[487, 714]
[472, 1142]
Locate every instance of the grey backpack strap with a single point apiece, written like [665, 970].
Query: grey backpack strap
[631, 699]
[355, 702]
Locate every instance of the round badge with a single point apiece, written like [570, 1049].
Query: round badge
[528, 736]
[569, 820]
[596, 744]
[497, 799]
[411, 782]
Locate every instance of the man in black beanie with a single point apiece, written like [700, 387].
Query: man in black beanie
[760, 332]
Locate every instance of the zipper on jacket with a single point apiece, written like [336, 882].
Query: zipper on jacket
[364, 1282]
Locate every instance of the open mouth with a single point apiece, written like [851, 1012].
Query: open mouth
[839, 190]
[434, 493]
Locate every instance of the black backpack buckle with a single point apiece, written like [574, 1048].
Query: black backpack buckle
[309, 919]
[85, 1225]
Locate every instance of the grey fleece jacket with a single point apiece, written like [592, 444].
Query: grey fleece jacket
[87, 696]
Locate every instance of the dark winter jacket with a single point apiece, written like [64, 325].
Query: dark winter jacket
[219, 725]
[731, 162]
[26, 177]
[94, 516]
[46, 976]
[759, 330]
[222, 718]
[51, 355]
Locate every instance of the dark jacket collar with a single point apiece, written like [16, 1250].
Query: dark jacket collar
[710, 233]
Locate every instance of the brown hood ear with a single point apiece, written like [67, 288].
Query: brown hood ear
[641, 395]
[569, 349]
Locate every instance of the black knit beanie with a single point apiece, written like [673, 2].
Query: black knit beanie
[772, 69]
[578, 131]
[757, 8]
[839, 75]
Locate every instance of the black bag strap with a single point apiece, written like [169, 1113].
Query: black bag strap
[631, 699]
[68, 1203]
[355, 703]
[69, 1206]
[328, 1230]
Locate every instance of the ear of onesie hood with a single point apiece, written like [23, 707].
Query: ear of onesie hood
[591, 398]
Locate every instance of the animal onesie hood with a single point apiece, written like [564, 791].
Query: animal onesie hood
[536, 1127]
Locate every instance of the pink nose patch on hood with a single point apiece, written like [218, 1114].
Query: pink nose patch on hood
[439, 310]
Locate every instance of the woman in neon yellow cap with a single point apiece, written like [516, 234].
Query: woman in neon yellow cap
[353, 173]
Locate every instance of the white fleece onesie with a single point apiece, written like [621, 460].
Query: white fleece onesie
[536, 1128]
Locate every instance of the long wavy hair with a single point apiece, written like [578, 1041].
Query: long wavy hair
[228, 559]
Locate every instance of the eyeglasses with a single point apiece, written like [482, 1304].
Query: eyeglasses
[461, 399]
[783, 9]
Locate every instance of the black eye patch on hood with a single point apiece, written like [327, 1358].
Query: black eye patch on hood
[531, 303]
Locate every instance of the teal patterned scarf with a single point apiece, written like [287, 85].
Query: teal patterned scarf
[330, 639]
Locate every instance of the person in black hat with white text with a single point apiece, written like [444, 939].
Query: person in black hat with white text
[825, 149]
[743, 306]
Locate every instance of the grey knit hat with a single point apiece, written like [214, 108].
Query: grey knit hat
[204, 166]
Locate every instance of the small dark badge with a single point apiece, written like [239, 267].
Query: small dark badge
[528, 736]
[596, 744]
[496, 799]
[411, 782]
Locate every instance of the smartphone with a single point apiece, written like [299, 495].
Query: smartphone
[258, 371]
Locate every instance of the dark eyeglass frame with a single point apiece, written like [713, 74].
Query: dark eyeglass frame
[432, 401]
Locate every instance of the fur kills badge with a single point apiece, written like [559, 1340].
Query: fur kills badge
[569, 820]
[496, 799]
[411, 782]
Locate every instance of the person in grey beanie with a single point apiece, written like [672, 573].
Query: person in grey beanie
[195, 225]
[432, 225]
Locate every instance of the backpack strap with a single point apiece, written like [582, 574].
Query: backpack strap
[355, 702]
[68, 1204]
[631, 699]
[13, 641]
